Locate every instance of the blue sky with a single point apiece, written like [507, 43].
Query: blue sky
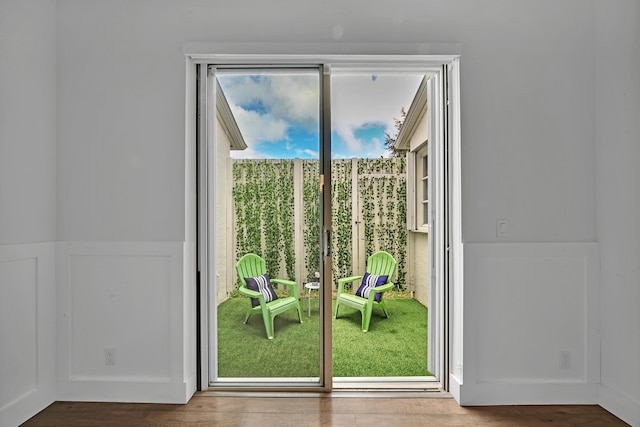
[277, 113]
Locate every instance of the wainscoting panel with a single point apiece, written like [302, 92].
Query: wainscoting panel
[531, 323]
[18, 328]
[122, 324]
[27, 330]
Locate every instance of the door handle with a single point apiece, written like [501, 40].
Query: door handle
[327, 242]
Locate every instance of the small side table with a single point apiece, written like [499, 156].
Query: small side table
[309, 287]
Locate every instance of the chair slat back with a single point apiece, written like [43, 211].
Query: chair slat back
[381, 264]
[250, 265]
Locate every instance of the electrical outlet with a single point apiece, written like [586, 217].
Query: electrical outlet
[502, 227]
[109, 356]
[565, 360]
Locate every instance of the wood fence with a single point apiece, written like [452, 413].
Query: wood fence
[276, 214]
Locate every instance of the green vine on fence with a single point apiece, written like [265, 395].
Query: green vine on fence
[269, 220]
[342, 233]
[368, 213]
[263, 205]
[287, 220]
[311, 204]
[263, 198]
[382, 187]
[401, 226]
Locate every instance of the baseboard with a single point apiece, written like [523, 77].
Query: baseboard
[124, 391]
[454, 387]
[620, 405]
[528, 394]
[190, 387]
[27, 406]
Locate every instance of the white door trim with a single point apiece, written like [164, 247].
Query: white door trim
[345, 58]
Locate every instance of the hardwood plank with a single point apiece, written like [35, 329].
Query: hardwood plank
[249, 419]
[206, 410]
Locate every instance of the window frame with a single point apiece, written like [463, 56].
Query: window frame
[418, 183]
[422, 181]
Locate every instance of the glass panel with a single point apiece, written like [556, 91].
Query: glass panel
[425, 189]
[369, 177]
[267, 205]
[425, 167]
[425, 213]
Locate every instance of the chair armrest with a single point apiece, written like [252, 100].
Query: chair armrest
[341, 282]
[283, 282]
[293, 288]
[250, 293]
[383, 288]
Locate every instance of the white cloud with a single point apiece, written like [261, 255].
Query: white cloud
[308, 153]
[292, 98]
[376, 148]
[358, 100]
[267, 106]
[369, 149]
[257, 128]
[250, 153]
[296, 98]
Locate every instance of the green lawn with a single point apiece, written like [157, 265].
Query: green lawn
[394, 346]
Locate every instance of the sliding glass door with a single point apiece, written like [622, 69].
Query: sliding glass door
[306, 173]
[266, 297]
[379, 122]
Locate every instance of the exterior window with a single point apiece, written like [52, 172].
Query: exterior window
[418, 189]
[424, 203]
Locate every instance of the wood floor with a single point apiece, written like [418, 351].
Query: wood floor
[206, 409]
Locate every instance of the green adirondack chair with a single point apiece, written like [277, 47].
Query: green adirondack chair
[379, 264]
[252, 266]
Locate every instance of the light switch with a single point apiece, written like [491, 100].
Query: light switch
[502, 228]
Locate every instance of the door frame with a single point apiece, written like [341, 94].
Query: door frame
[381, 58]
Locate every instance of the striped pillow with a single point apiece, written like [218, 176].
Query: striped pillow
[370, 281]
[261, 284]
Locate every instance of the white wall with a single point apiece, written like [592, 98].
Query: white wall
[224, 221]
[618, 154]
[27, 330]
[27, 208]
[419, 241]
[528, 155]
[525, 305]
[527, 120]
[125, 296]
[27, 122]
[529, 126]
[421, 273]
[126, 268]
